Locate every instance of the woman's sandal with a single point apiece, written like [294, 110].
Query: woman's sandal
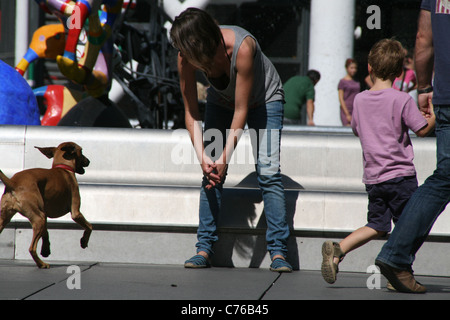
[197, 261]
[330, 250]
[280, 265]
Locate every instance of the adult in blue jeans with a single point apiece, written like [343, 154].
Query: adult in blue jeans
[432, 47]
[244, 88]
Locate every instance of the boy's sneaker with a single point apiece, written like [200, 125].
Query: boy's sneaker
[330, 250]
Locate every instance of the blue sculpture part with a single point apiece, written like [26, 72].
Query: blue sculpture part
[18, 105]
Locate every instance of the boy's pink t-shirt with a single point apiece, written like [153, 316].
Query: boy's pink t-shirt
[381, 119]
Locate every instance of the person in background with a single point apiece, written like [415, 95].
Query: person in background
[348, 88]
[298, 91]
[407, 81]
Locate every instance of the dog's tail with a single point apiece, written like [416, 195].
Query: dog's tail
[8, 183]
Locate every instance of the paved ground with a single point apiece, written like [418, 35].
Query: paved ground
[22, 280]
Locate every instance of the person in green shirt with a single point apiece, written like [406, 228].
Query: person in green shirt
[298, 91]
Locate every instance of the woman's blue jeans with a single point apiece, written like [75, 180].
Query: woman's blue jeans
[425, 205]
[266, 121]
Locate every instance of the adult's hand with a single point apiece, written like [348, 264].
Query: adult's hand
[424, 101]
[210, 172]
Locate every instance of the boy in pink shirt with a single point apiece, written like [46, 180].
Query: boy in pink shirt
[381, 119]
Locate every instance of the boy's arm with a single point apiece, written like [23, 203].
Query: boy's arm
[431, 120]
[425, 131]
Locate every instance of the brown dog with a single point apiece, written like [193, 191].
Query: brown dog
[39, 194]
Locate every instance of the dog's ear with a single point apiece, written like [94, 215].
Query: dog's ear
[49, 152]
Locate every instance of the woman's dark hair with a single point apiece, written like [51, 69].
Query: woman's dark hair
[350, 61]
[197, 36]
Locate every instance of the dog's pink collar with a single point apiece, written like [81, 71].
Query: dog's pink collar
[65, 167]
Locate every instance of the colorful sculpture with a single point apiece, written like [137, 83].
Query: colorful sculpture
[88, 66]
[92, 70]
[59, 101]
[48, 41]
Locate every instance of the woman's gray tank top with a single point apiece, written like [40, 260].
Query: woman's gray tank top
[267, 84]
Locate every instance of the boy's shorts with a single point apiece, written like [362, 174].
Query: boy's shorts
[387, 200]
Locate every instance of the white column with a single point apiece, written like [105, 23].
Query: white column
[331, 43]
[21, 38]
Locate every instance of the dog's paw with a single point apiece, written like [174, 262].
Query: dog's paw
[83, 243]
[45, 252]
[44, 265]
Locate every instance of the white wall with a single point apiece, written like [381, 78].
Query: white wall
[135, 176]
